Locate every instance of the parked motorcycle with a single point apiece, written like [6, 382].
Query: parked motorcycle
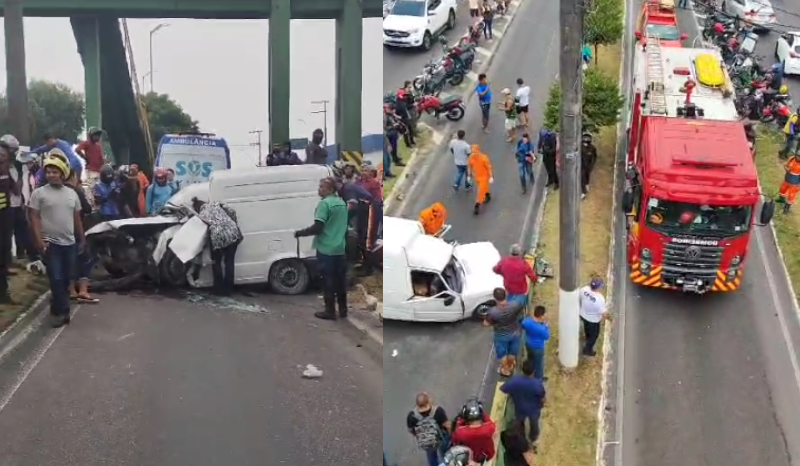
[435, 75]
[776, 111]
[463, 55]
[452, 107]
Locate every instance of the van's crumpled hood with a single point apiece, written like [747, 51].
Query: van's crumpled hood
[117, 224]
[478, 260]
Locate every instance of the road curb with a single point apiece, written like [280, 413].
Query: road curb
[365, 326]
[18, 331]
[407, 184]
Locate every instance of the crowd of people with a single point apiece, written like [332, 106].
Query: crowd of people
[51, 195]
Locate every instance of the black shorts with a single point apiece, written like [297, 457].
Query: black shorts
[522, 109]
[475, 13]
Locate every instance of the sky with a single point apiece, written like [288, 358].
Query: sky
[217, 71]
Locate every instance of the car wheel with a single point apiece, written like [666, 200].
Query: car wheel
[171, 270]
[482, 311]
[451, 20]
[427, 42]
[289, 277]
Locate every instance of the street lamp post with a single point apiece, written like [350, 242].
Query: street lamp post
[152, 33]
[146, 75]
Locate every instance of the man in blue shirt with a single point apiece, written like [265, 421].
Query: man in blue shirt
[106, 194]
[528, 394]
[525, 158]
[51, 142]
[537, 332]
[484, 91]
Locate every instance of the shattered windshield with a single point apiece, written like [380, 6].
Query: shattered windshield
[678, 217]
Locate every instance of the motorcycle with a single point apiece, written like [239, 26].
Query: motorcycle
[452, 107]
[462, 55]
[435, 75]
[776, 111]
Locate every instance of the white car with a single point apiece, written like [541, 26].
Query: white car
[416, 23]
[426, 279]
[758, 12]
[788, 52]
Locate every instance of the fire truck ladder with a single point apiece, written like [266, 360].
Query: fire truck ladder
[655, 77]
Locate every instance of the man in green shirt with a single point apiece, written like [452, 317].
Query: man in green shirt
[330, 231]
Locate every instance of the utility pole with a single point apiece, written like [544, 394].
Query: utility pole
[324, 113]
[257, 132]
[17, 85]
[571, 76]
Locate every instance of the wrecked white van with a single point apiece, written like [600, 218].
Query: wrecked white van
[426, 279]
[171, 248]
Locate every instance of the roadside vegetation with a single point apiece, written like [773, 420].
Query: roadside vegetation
[770, 174]
[424, 141]
[569, 422]
[25, 289]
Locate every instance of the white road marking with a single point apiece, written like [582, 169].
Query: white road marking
[31, 364]
[483, 51]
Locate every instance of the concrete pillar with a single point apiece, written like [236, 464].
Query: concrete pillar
[90, 49]
[17, 80]
[349, 59]
[280, 19]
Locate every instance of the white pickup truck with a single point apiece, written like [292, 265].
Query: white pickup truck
[416, 23]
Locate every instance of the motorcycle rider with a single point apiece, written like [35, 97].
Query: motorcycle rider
[158, 193]
[392, 127]
[283, 155]
[401, 110]
[777, 71]
[315, 153]
[475, 430]
[588, 161]
[106, 194]
[548, 147]
[480, 168]
[433, 218]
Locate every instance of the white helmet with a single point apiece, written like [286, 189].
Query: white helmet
[10, 141]
[458, 456]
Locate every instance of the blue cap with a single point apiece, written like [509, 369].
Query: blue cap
[596, 283]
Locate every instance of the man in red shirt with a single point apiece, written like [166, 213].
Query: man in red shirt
[91, 151]
[515, 271]
[475, 430]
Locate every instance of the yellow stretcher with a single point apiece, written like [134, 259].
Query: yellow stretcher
[709, 71]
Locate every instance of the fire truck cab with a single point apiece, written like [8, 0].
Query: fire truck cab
[692, 190]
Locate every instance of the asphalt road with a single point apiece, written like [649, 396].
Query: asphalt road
[148, 380]
[712, 380]
[450, 361]
[402, 64]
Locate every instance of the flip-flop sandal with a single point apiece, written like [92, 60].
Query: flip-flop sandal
[87, 300]
[73, 297]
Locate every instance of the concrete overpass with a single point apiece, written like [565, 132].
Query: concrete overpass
[110, 101]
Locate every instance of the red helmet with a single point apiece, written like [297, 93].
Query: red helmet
[719, 28]
[686, 218]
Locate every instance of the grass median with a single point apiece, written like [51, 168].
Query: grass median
[424, 142]
[25, 290]
[770, 174]
[569, 421]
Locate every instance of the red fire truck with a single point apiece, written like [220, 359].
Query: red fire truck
[691, 191]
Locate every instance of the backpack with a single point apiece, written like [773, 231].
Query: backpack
[427, 432]
[548, 141]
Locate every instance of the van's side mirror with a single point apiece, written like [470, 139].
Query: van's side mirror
[627, 201]
[449, 300]
[767, 212]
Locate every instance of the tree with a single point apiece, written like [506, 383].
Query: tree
[603, 24]
[602, 102]
[54, 108]
[165, 116]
